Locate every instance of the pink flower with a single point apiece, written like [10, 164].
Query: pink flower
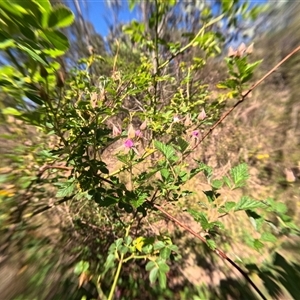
[138, 133]
[195, 133]
[129, 144]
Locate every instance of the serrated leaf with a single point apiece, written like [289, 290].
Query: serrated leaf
[66, 188]
[239, 175]
[257, 244]
[165, 173]
[200, 218]
[226, 180]
[211, 244]
[217, 224]
[280, 208]
[217, 184]
[246, 203]
[229, 205]
[183, 144]
[268, 237]
[167, 150]
[206, 169]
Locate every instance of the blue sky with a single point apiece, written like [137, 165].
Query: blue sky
[101, 16]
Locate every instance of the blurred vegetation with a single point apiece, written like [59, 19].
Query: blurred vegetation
[55, 245]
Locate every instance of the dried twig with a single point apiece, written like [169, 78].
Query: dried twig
[245, 95]
[219, 252]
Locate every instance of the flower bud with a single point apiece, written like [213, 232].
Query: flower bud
[144, 125]
[187, 121]
[131, 132]
[60, 79]
[202, 115]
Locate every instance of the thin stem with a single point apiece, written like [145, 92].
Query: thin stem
[219, 252]
[118, 271]
[243, 98]
[190, 44]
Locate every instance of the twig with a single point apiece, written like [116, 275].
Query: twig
[219, 252]
[246, 94]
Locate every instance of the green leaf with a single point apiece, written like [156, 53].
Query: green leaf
[249, 204]
[280, 207]
[57, 39]
[138, 200]
[131, 4]
[211, 244]
[165, 253]
[255, 219]
[109, 263]
[229, 205]
[159, 245]
[165, 174]
[105, 200]
[199, 217]
[162, 279]
[217, 184]
[167, 150]
[239, 175]
[163, 267]
[153, 275]
[257, 244]
[183, 144]
[205, 168]
[249, 70]
[150, 265]
[66, 188]
[60, 17]
[81, 267]
[53, 52]
[33, 97]
[7, 44]
[268, 237]
[10, 111]
[226, 180]
[32, 53]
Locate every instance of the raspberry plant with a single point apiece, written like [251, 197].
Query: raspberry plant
[127, 138]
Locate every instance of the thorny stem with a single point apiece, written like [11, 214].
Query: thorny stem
[245, 95]
[219, 252]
